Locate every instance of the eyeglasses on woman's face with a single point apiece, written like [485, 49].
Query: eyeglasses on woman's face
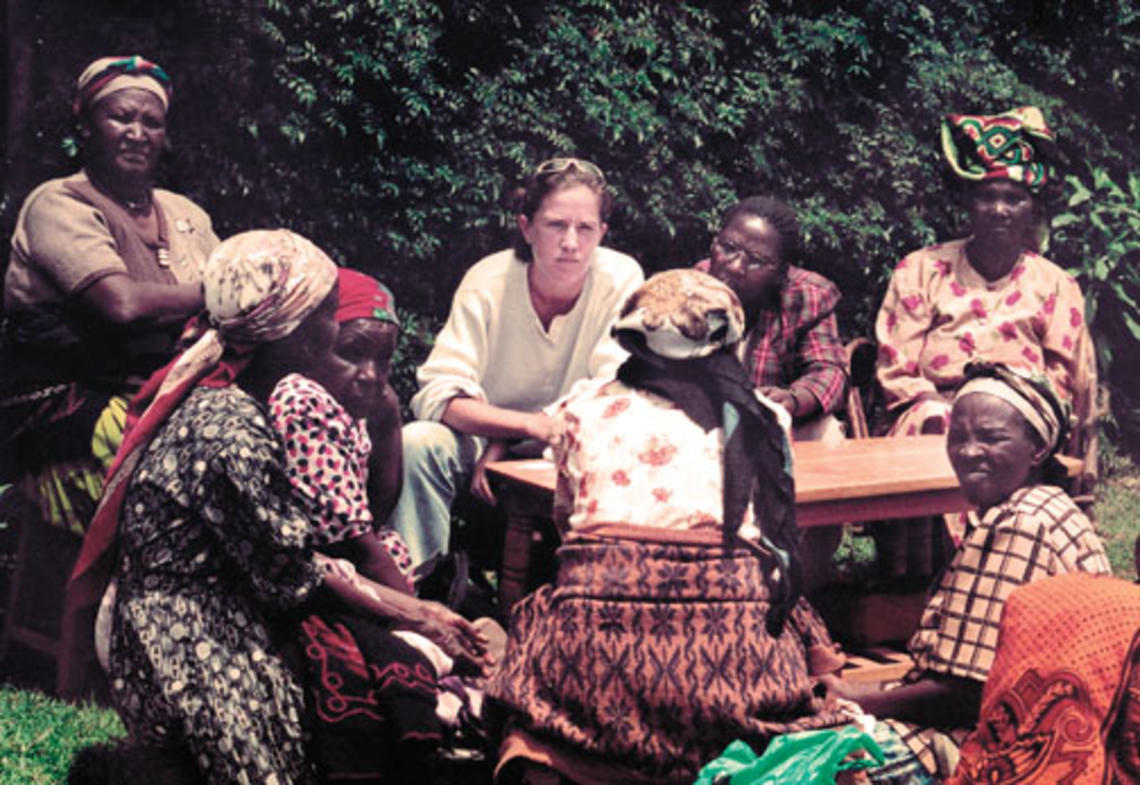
[728, 250]
[557, 165]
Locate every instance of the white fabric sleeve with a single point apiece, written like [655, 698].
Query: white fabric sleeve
[608, 354]
[457, 361]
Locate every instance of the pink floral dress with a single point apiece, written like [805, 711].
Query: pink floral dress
[940, 314]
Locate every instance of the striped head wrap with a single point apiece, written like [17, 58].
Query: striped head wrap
[363, 297]
[1031, 395]
[110, 74]
[1015, 145]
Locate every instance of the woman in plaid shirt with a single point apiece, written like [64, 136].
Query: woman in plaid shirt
[791, 349]
[1005, 427]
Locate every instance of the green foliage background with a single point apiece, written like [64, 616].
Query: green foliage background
[393, 131]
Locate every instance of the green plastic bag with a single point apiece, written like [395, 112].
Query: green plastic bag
[807, 758]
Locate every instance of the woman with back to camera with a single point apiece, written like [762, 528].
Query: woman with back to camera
[104, 269]
[526, 324]
[675, 624]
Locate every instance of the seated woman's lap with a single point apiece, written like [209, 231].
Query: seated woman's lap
[438, 463]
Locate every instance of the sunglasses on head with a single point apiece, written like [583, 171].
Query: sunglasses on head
[557, 165]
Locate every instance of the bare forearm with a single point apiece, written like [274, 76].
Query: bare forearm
[468, 415]
[458, 637]
[386, 463]
[370, 554]
[121, 300]
[932, 701]
[367, 596]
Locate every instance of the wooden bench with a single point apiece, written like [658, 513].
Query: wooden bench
[43, 560]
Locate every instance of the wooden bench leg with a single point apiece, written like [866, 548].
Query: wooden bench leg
[77, 670]
[528, 519]
[45, 556]
[518, 544]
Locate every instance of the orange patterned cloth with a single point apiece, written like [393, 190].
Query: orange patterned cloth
[1062, 702]
[651, 656]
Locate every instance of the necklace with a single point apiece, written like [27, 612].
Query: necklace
[139, 207]
[136, 207]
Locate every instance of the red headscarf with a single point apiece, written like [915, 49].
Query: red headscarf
[363, 297]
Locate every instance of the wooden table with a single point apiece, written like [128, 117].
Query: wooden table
[854, 480]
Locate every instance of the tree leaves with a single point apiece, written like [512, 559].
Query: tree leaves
[391, 131]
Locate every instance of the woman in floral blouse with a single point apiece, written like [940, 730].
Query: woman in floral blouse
[675, 624]
[990, 296]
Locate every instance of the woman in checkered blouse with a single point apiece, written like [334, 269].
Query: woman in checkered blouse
[1005, 427]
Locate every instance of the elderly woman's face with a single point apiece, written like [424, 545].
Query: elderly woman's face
[125, 135]
[990, 449]
[362, 360]
[1002, 212]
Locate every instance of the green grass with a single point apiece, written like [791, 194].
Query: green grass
[38, 735]
[1118, 520]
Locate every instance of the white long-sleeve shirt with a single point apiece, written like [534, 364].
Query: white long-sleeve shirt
[493, 347]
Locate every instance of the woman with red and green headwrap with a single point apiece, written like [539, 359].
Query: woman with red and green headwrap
[990, 296]
[104, 270]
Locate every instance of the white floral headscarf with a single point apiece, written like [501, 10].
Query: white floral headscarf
[683, 315]
[260, 285]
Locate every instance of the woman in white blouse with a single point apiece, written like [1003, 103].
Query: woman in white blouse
[526, 323]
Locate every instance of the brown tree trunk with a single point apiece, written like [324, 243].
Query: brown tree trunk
[19, 35]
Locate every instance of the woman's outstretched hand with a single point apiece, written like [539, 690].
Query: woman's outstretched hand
[458, 637]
